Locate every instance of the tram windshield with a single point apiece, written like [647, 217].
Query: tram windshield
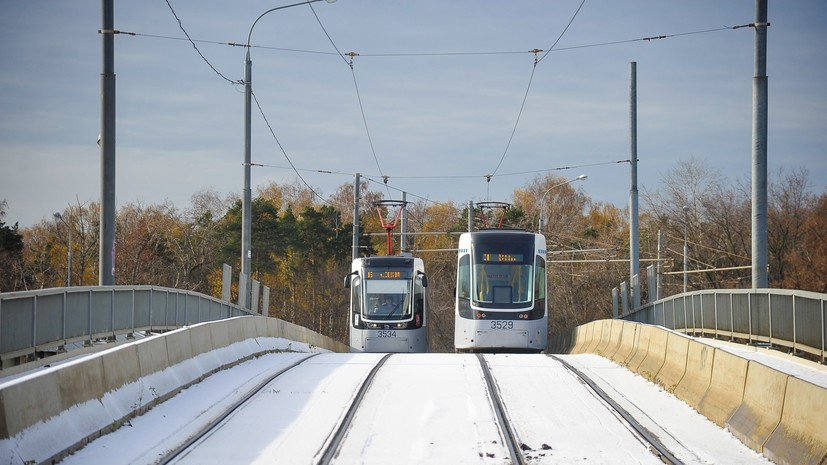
[387, 299]
[503, 274]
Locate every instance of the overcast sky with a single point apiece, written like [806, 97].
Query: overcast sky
[441, 85]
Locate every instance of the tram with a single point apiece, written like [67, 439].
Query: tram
[500, 302]
[388, 305]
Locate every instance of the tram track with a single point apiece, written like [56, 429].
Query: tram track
[333, 445]
[655, 445]
[512, 441]
[218, 420]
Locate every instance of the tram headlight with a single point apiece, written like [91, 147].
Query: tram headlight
[402, 325]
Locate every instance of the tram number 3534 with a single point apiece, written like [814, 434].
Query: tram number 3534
[502, 324]
[387, 334]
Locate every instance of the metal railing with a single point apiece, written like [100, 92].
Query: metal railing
[785, 318]
[32, 322]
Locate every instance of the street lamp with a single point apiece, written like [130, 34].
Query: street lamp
[685, 245]
[543, 201]
[246, 210]
[58, 219]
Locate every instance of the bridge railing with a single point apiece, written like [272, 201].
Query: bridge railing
[786, 318]
[33, 322]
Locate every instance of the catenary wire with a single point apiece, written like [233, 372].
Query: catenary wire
[181, 26]
[528, 89]
[284, 152]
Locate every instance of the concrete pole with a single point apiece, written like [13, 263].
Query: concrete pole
[634, 264]
[759, 150]
[356, 216]
[106, 259]
[247, 197]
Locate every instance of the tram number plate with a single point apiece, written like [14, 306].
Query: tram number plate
[387, 334]
[502, 324]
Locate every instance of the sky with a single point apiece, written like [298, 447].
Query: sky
[440, 96]
[450, 421]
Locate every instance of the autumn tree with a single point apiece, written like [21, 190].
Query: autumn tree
[11, 253]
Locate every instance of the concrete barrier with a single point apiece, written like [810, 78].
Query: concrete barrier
[582, 338]
[629, 338]
[655, 354]
[801, 436]
[46, 393]
[695, 382]
[760, 411]
[642, 349]
[772, 412]
[610, 338]
[674, 363]
[726, 387]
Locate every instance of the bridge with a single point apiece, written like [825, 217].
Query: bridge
[159, 342]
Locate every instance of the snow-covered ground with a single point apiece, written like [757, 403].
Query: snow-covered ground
[421, 408]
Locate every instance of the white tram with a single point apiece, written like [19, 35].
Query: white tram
[500, 302]
[388, 306]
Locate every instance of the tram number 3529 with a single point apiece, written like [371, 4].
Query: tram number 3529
[387, 334]
[502, 324]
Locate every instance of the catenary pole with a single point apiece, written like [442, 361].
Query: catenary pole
[634, 264]
[106, 258]
[759, 150]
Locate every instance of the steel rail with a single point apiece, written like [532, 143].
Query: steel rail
[512, 441]
[335, 441]
[216, 422]
[658, 447]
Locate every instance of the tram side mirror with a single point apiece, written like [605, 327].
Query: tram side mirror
[347, 280]
[424, 278]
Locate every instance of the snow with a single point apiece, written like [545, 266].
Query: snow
[421, 408]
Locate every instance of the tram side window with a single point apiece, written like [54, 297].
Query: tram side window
[464, 277]
[539, 278]
[356, 295]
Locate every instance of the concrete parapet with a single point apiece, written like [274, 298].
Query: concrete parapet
[609, 337]
[600, 331]
[582, 338]
[29, 401]
[760, 411]
[179, 346]
[642, 348]
[774, 413]
[695, 381]
[674, 363]
[726, 387]
[655, 354]
[200, 338]
[42, 395]
[801, 436]
[152, 355]
[629, 337]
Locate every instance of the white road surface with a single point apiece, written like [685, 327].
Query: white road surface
[421, 408]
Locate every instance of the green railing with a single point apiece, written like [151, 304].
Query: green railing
[795, 320]
[46, 321]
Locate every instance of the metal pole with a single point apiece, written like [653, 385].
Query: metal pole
[403, 246]
[69, 266]
[356, 217]
[246, 207]
[106, 259]
[634, 265]
[470, 216]
[759, 150]
[685, 246]
[659, 292]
